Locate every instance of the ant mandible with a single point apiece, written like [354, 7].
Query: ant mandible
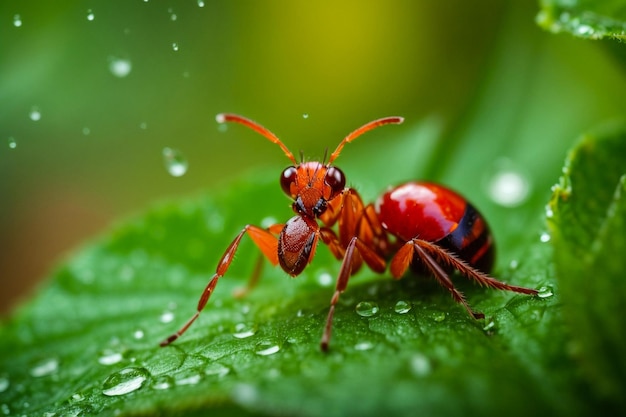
[418, 224]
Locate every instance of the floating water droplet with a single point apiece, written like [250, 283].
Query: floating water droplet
[17, 21]
[125, 381]
[175, 162]
[367, 308]
[363, 346]
[45, 367]
[402, 307]
[545, 292]
[545, 237]
[35, 114]
[90, 15]
[175, 46]
[507, 186]
[266, 348]
[162, 382]
[166, 317]
[120, 67]
[110, 357]
[420, 365]
[244, 330]
[4, 383]
[12, 143]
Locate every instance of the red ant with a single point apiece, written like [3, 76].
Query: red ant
[418, 224]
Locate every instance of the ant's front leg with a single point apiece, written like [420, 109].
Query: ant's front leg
[262, 238]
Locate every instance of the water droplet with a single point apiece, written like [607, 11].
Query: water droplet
[545, 237]
[244, 330]
[200, 3]
[438, 316]
[35, 114]
[549, 211]
[175, 46]
[514, 264]
[545, 292]
[125, 381]
[143, 125]
[4, 383]
[138, 334]
[489, 327]
[76, 398]
[190, 378]
[45, 367]
[173, 16]
[12, 143]
[268, 221]
[305, 115]
[86, 131]
[367, 308]
[325, 279]
[90, 15]
[363, 346]
[175, 162]
[120, 67]
[216, 369]
[507, 186]
[585, 30]
[162, 382]
[110, 357]
[166, 317]
[420, 365]
[266, 348]
[17, 21]
[402, 307]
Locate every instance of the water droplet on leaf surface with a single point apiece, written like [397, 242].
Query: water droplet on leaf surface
[125, 381]
[367, 308]
[35, 114]
[402, 307]
[17, 21]
[12, 143]
[266, 348]
[244, 330]
[90, 15]
[45, 367]
[545, 292]
[508, 187]
[120, 67]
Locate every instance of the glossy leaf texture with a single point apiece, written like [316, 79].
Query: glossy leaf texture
[588, 212]
[589, 19]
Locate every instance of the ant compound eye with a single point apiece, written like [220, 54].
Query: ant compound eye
[335, 179]
[287, 178]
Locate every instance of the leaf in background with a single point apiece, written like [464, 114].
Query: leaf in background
[589, 233]
[590, 19]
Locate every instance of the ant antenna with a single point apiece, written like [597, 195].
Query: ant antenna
[365, 128]
[229, 117]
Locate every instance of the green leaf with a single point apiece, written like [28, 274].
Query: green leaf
[589, 208]
[97, 349]
[589, 19]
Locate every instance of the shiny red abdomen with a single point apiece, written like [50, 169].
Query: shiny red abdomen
[420, 210]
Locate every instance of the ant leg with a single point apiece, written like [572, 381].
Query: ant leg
[264, 240]
[258, 268]
[405, 255]
[464, 268]
[371, 258]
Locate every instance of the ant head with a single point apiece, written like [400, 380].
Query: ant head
[310, 184]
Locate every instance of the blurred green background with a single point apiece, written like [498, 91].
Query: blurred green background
[92, 92]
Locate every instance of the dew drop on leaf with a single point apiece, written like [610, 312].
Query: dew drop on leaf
[175, 46]
[363, 346]
[545, 237]
[166, 317]
[138, 334]
[244, 330]
[216, 369]
[17, 21]
[402, 307]
[45, 367]
[175, 162]
[545, 292]
[305, 116]
[90, 15]
[110, 357]
[125, 381]
[508, 187]
[266, 348]
[200, 3]
[162, 382]
[367, 308]
[12, 143]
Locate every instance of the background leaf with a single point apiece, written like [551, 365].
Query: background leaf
[587, 222]
[590, 19]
